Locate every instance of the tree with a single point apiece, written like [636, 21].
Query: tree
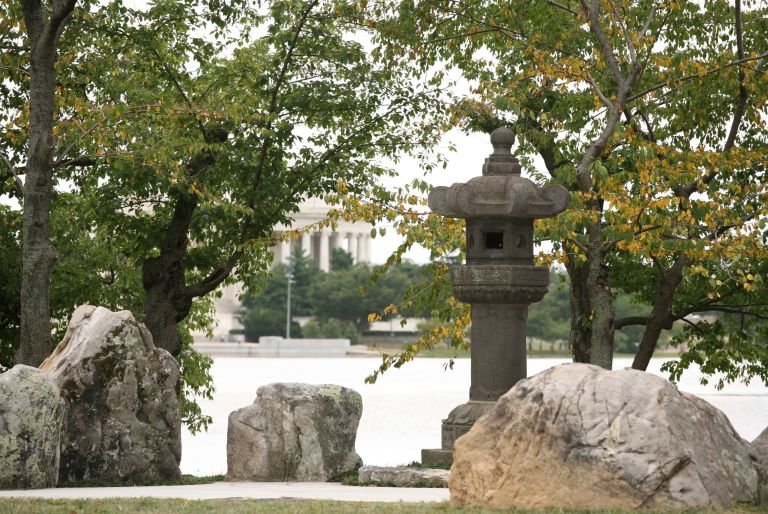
[341, 259]
[653, 115]
[42, 30]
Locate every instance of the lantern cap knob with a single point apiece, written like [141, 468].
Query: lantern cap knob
[502, 140]
[501, 161]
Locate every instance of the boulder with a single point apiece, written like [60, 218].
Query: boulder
[121, 409]
[577, 436]
[403, 477]
[299, 432]
[760, 456]
[30, 420]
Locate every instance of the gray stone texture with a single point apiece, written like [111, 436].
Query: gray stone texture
[760, 457]
[403, 477]
[578, 436]
[499, 279]
[121, 414]
[292, 431]
[30, 417]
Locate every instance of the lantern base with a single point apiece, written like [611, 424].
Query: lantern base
[458, 423]
[437, 458]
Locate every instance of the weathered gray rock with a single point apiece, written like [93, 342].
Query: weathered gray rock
[297, 432]
[121, 414]
[30, 420]
[403, 477]
[760, 456]
[578, 436]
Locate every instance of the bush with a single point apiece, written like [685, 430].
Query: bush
[332, 329]
[350, 332]
[311, 330]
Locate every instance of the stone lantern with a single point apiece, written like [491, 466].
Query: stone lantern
[499, 279]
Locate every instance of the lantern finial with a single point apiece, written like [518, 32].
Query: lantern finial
[501, 161]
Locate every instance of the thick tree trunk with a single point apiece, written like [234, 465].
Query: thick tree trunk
[163, 279]
[661, 314]
[169, 298]
[38, 254]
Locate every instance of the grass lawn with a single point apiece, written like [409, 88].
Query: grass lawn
[152, 505]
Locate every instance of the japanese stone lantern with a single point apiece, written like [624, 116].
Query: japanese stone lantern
[499, 279]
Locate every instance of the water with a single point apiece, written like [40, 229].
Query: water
[403, 410]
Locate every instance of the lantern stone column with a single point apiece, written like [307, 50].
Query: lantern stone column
[499, 280]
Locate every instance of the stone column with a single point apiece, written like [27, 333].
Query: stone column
[361, 255]
[498, 349]
[285, 251]
[337, 241]
[353, 246]
[324, 259]
[306, 244]
[368, 252]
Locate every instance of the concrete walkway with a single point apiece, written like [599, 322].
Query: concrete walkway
[245, 490]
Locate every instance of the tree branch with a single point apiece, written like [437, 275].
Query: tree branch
[741, 102]
[562, 7]
[17, 179]
[630, 320]
[596, 28]
[687, 78]
[276, 91]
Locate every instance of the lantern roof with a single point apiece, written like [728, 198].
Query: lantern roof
[501, 192]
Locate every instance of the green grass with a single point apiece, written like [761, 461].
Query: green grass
[285, 506]
[185, 480]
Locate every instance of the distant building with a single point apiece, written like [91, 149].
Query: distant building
[353, 237]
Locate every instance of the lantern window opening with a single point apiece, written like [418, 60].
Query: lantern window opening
[493, 240]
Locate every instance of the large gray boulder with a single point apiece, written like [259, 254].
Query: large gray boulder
[121, 409]
[30, 417]
[578, 436]
[299, 432]
[760, 456]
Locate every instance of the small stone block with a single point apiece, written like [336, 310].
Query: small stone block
[437, 457]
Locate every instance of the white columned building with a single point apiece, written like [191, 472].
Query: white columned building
[317, 244]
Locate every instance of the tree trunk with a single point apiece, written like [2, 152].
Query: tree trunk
[601, 297]
[581, 331]
[592, 316]
[661, 315]
[38, 254]
[163, 279]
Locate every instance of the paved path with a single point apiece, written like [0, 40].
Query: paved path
[256, 490]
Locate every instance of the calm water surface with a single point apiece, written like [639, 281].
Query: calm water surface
[403, 410]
